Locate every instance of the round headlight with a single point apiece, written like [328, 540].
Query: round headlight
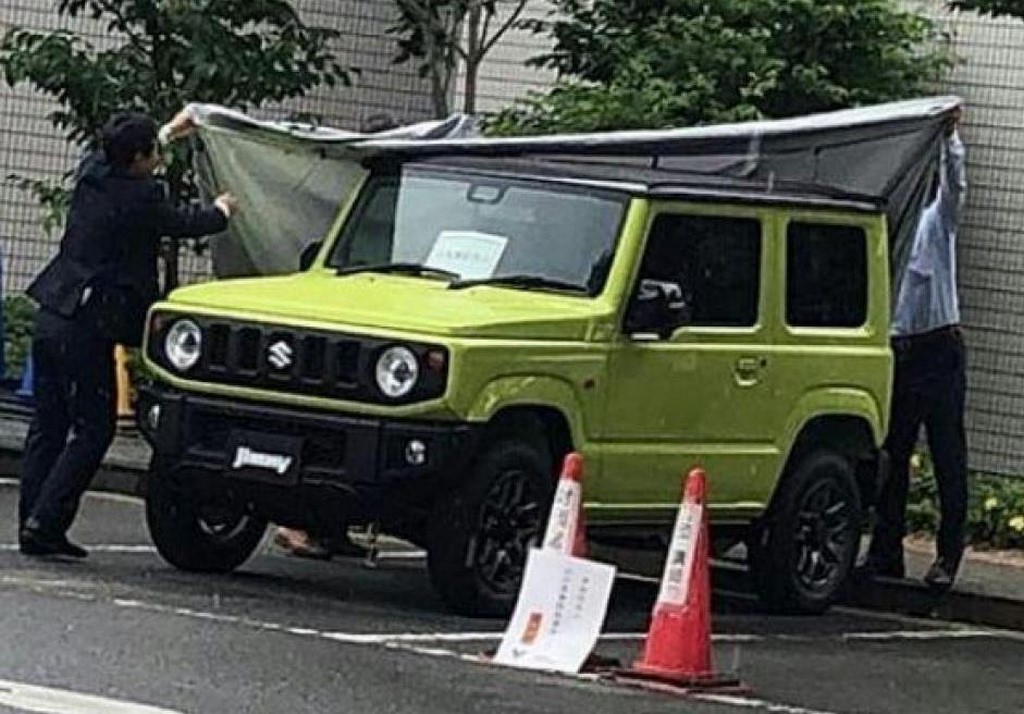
[397, 372]
[183, 345]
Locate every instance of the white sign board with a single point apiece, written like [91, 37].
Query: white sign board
[559, 615]
[472, 255]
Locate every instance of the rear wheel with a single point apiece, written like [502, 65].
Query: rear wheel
[479, 535]
[802, 554]
[203, 538]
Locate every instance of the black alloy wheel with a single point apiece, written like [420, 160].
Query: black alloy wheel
[802, 553]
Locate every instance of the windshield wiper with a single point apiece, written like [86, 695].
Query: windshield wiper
[518, 281]
[399, 268]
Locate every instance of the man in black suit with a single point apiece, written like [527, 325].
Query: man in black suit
[92, 295]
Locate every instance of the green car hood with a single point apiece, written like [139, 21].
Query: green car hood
[401, 304]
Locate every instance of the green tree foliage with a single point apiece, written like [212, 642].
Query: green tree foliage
[158, 56]
[645, 64]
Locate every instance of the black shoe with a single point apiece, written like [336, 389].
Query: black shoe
[34, 542]
[72, 550]
[941, 575]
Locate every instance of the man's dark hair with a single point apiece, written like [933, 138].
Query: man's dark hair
[126, 135]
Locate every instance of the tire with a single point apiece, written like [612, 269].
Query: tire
[479, 534]
[195, 538]
[802, 554]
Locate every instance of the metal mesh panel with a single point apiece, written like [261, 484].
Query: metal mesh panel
[30, 146]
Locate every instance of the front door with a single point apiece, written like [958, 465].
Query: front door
[703, 395]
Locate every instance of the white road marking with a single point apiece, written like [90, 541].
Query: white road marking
[435, 652]
[38, 582]
[99, 548]
[391, 638]
[426, 644]
[758, 704]
[45, 700]
[381, 638]
[925, 635]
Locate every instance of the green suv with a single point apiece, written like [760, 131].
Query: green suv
[470, 320]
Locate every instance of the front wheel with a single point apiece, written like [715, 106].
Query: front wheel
[479, 535]
[201, 538]
[802, 555]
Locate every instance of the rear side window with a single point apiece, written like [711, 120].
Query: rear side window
[715, 261]
[826, 275]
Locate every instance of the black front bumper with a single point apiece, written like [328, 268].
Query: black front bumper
[363, 467]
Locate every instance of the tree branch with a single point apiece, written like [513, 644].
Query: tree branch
[488, 45]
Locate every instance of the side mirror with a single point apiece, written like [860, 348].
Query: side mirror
[657, 309]
[309, 254]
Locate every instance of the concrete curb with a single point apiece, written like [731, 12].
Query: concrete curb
[904, 597]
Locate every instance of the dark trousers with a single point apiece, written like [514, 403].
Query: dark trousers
[929, 389]
[74, 422]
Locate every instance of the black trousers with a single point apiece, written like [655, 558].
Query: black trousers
[929, 389]
[74, 422]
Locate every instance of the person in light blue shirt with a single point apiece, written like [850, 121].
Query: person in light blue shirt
[930, 380]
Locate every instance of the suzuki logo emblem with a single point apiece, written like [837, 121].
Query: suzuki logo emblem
[279, 355]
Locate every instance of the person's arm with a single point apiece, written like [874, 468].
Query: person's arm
[190, 221]
[953, 182]
[179, 127]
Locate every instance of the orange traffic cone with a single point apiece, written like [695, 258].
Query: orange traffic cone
[677, 651]
[566, 527]
[566, 531]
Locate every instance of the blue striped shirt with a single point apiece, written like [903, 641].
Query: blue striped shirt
[928, 299]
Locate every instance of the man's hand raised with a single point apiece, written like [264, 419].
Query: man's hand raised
[177, 128]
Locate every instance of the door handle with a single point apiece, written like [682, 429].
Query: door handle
[748, 370]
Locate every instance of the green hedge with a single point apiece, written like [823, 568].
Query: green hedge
[19, 313]
[995, 515]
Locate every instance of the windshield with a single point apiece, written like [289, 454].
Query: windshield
[484, 229]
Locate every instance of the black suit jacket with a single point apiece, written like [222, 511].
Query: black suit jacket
[106, 267]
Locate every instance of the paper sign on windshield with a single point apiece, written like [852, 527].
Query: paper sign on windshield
[559, 614]
[472, 255]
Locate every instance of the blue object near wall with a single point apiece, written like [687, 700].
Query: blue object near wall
[25, 390]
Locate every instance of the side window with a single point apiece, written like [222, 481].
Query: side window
[716, 263]
[826, 275]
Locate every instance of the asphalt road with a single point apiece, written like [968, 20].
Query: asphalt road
[284, 635]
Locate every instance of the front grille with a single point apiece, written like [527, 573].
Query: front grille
[295, 360]
[278, 358]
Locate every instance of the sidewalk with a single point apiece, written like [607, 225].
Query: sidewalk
[996, 573]
[989, 589]
[122, 470]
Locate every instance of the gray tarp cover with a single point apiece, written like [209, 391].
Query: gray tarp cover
[292, 179]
